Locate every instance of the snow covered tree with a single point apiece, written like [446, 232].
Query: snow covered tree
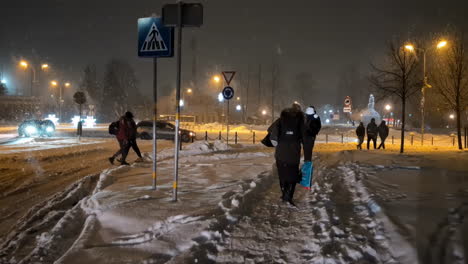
[397, 77]
[90, 84]
[450, 77]
[120, 88]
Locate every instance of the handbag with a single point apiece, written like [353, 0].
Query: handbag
[266, 141]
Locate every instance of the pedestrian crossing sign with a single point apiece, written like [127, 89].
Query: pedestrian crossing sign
[154, 39]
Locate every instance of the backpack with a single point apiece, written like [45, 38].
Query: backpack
[114, 128]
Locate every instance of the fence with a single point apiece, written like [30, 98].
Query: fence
[412, 139]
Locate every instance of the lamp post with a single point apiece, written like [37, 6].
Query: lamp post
[24, 64]
[411, 48]
[56, 84]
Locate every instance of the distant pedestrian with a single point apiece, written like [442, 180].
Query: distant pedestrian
[372, 131]
[383, 134]
[133, 136]
[286, 134]
[360, 133]
[123, 137]
[312, 128]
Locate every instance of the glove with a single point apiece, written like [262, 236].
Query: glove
[274, 143]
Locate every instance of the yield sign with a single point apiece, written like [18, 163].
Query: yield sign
[228, 76]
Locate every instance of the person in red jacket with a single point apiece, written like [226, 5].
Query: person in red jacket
[124, 135]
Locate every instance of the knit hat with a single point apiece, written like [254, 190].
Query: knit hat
[310, 110]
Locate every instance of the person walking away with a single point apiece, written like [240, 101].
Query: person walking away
[312, 128]
[383, 134]
[133, 136]
[123, 139]
[372, 131]
[286, 134]
[360, 133]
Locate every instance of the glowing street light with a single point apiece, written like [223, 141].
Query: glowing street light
[45, 66]
[264, 112]
[53, 83]
[216, 79]
[238, 107]
[67, 84]
[388, 107]
[441, 44]
[452, 116]
[220, 97]
[238, 98]
[181, 103]
[23, 64]
[409, 47]
[189, 90]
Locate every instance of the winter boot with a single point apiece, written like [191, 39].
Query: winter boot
[111, 160]
[124, 163]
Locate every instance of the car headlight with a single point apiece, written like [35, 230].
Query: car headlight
[31, 130]
[49, 129]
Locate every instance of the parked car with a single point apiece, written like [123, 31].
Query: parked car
[164, 130]
[38, 128]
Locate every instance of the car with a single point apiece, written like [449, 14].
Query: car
[39, 128]
[164, 130]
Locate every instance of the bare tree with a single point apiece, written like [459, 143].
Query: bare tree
[450, 77]
[397, 77]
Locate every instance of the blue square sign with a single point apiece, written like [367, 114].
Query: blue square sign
[154, 39]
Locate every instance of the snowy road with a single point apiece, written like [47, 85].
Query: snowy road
[32, 170]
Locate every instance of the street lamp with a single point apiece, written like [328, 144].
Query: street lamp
[220, 97]
[216, 79]
[189, 90]
[238, 107]
[55, 84]
[411, 48]
[181, 103]
[24, 64]
[264, 112]
[452, 116]
[238, 98]
[388, 107]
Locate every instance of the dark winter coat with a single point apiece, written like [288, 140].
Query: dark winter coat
[312, 125]
[372, 130]
[288, 132]
[383, 130]
[360, 131]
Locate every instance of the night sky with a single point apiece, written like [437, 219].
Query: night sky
[316, 37]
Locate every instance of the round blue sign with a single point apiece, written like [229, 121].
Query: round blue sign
[228, 92]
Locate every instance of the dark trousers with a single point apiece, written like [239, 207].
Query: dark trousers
[360, 141]
[124, 148]
[308, 143]
[134, 146]
[374, 139]
[287, 190]
[382, 144]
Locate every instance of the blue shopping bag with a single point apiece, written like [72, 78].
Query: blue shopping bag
[307, 170]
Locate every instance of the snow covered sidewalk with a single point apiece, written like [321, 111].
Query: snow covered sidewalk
[117, 218]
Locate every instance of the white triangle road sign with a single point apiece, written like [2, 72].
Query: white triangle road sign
[153, 41]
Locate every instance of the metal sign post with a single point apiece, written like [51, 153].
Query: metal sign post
[177, 117]
[154, 40]
[180, 15]
[228, 94]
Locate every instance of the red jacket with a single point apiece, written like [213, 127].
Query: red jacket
[123, 133]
